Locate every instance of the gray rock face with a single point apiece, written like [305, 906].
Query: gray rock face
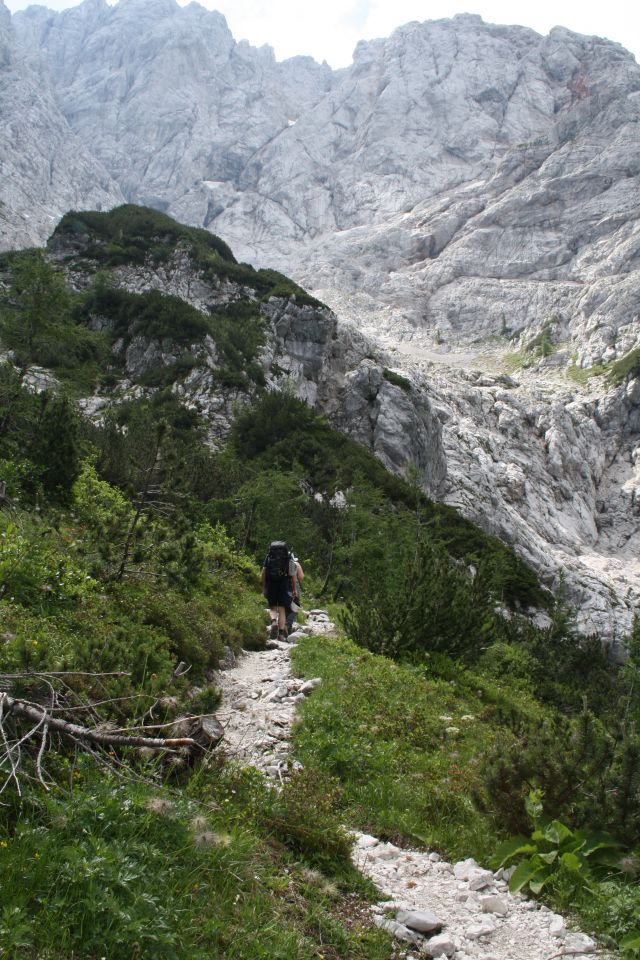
[172, 106]
[555, 472]
[45, 169]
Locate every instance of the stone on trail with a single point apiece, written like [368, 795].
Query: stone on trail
[479, 879]
[462, 869]
[493, 904]
[484, 928]
[441, 945]
[310, 685]
[578, 943]
[208, 731]
[557, 926]
[228, 659]
[397, 930]
[424, 921]
[366, 840]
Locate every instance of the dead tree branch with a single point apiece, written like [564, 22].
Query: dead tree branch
[23, 708]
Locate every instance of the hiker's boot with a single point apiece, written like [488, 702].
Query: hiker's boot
[273, 632]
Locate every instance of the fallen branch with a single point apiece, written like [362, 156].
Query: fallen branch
[23, 708]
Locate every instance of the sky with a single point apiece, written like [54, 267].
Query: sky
[329, 30]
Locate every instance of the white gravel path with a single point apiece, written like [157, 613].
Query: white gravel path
[475, 916]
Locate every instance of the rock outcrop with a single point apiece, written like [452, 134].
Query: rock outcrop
[331, 367]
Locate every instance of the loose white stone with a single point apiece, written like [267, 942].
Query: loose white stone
[462, 870]
[557, 927]
[397, 930]
[494, 904]
[421, 920]
[577, 943]
[484, 928]
[441, 945]
[480, 879]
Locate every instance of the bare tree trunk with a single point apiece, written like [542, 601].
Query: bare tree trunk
[21, 708]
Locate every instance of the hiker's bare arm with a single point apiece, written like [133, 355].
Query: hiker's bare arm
[263, 580]
[299, 572]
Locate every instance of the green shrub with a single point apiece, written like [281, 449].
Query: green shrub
[589, 774]
[129, 233]
[555, 856]
[34, 570]
[397, 380]
[628, 366]
[152, 314]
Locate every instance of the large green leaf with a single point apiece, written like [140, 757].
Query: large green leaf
[536, 885]
[572, 862]
[511, 848]
[523, 874]
[598, 841]
[549, 857]
[631, 941]
[556, 832]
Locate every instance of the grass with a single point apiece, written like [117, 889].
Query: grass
[395, 739]
[106, 867]
[582, 375]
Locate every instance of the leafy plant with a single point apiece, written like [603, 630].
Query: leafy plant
[554, 855]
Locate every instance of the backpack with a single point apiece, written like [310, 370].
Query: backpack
[278, 562]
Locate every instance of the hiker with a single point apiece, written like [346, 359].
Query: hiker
[277, 577]
[297, 578]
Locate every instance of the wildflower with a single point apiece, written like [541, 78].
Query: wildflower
[205, 839]
[159, 805]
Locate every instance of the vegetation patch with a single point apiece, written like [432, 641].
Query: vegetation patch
[582, 375]
[84, 872]
[397, 380]
[131, 234]
[394, 737]
[628, 366]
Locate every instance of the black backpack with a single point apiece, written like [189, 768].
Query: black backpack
[278, 559]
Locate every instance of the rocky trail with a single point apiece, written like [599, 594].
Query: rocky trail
[432, 908]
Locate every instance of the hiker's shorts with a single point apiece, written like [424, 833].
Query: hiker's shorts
[279, 594]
